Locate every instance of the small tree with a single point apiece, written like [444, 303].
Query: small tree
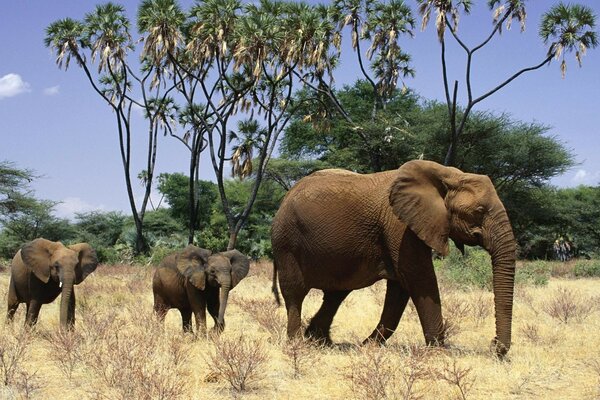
[564, 28]
[103, 37]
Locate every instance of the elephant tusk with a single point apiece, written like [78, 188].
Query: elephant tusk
[60, 284]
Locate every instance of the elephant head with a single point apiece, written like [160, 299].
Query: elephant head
[67, 265]
[191, 263]
[226, 270]
[438, 203]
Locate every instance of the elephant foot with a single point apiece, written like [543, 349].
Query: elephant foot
[380, 335]
[318, 335]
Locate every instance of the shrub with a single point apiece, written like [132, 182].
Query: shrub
[587, 268]
[474, 269]
[241, 361]
[567, 305]
[534, 273]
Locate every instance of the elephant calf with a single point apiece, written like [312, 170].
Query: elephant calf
[42, 270]
[190, 281]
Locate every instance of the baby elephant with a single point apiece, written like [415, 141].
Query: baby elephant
[42, 270]
[190, 281]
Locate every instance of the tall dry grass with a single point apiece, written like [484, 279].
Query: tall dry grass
[119, 351]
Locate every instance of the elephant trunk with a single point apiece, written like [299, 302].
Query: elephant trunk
[223, 296]
[502, 249]
[66, 310]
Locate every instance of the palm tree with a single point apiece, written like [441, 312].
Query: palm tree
[568, 28]
[65, 38]
[249, 137]
[160, 21]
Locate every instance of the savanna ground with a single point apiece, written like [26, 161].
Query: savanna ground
[118, 351]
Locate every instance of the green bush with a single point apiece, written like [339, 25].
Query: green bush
[474, 269]
[587, 269]
[534, 273]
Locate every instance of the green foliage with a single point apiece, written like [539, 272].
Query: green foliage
[175, 188]
[587, 269]
[474, 269]
[286, 172]
[374, 140]
[536, 273]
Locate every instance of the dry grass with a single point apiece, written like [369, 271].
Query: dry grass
[118, 351]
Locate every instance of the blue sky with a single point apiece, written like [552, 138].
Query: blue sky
[52, 122]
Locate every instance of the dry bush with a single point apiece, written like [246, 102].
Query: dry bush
[14, 347]
[374, 373]
[13, 351]
[481, 308]
[301, 352]
[371, 374]
[241, 361]
[567, 305]
[450, 328]
[136, 363]
[267, 314]
[455, 307]
[262, 269]
[459, 377]
[65, 349]
[594, 365]
[531, 332]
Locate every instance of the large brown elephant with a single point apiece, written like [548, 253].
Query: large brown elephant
[338, 231]
[42, 270]
[190, 281]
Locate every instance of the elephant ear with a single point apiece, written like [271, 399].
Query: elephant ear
[191, 263]
[240, 265]
[37, 254]
[417, 197]
[88, 261]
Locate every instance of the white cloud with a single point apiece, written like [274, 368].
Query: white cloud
[71, 205]
[51, 91]
[12, 85]
[585, 177]
[580, 176]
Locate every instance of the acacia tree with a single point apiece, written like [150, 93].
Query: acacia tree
[377, 26]
[564, 28]
[232, 65]
[103, 38]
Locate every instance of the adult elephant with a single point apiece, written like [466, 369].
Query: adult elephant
[338, 231]
[195, 280]
[41, 270]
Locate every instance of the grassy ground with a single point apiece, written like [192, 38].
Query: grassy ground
[118, 351]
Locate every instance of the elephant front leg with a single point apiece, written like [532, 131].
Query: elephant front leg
[33, 310]
[396, 298]
[186, 321]
[197, 301]
[425, 295]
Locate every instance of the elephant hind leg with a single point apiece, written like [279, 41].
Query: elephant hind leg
[293, 291]
[396, 298]
[12, 302]
[320, 324]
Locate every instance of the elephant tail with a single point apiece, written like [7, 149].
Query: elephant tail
[274, 287]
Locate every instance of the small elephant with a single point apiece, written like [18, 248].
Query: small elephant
[41, 270]
[190, 281]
